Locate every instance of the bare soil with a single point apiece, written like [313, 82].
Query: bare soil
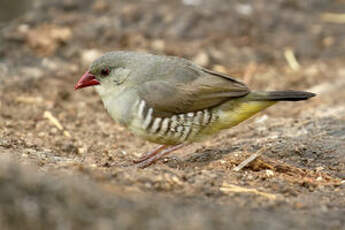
[77, 173]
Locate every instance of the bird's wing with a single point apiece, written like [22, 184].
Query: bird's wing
[192, 90]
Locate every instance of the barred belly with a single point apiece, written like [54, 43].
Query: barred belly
[177, 129]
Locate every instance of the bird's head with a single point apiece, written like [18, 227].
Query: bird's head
[108, 72]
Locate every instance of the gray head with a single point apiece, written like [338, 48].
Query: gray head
[109, 71]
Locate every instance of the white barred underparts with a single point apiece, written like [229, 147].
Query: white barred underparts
[181, 126]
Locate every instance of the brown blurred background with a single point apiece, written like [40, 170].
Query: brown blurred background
[66, 165]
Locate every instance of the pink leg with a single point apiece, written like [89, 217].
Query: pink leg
[158, 154]
[151, 154]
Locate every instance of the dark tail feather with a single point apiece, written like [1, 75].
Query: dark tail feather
[288, 95]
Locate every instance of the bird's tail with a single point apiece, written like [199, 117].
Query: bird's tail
[237, 110]
[288, 95]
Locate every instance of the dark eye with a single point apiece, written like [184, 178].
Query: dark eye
[105, 72]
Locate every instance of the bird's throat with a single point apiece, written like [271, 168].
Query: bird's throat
[117, 103]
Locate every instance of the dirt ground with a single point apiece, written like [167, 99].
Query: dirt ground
[77, 173]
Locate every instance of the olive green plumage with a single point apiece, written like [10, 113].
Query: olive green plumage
[170, 100]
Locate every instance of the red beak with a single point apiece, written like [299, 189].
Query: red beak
[86, 80]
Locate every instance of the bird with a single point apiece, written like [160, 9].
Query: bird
[171, 101]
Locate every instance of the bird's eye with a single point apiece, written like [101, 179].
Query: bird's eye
[105, 72]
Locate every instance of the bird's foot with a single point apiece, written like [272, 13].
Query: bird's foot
[150, 154]
[156, 154]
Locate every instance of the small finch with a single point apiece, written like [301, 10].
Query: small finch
[171, 101]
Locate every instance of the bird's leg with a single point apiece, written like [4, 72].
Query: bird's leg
[151, 154]
[164, 150]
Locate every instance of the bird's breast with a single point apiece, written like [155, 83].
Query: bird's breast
[120, 105]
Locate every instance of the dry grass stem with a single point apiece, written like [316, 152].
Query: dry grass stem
[291, 59]
[230, 188]
[333, 18]
[248, 160]
[29, 100]
[56, 122]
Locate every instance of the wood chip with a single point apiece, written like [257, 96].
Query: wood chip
[201, 59]
[66, 133]
[220, 68]
[230, 188]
